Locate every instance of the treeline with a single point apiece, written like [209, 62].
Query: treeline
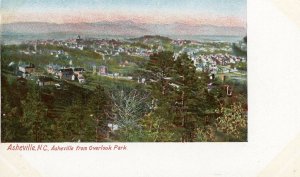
[184, 108]
[173, 106]
[32, 114]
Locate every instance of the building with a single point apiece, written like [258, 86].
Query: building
[27, 68]
[53, 69]
[25, 71]
[79, 40]
[78, 71]
[81, 79]
[22, 75]
[103, 70]
[66, 73]
[43, 81]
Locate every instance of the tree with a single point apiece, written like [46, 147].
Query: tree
[98, 106]
[8, 113]
[159, 70]
[177, 89]
[241, 66]
[34, 116]
[159, 124]
[189, 95]
[76, 124]
[232, 122]
[128, 109]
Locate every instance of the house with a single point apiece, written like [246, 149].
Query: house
[66, 73]
[22, 74]
[53, 69]
[27, 68]
[78, 71]
[103, 70]
[80, 47]
[81, 79]
[43, 81]
[79, 40]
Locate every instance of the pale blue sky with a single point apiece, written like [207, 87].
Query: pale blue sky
[220, 7]
[17, 10]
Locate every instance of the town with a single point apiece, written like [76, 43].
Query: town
[64, 70]
[118, 59]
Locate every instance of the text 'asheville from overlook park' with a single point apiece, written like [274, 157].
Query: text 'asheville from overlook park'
[49, 147]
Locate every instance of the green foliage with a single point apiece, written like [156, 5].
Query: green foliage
[232, 122]
[76, 124]
[158, 125]
[178, 89]
[189, 96]
[98, 108]
[205, 134]
[23, 113]
[141, 45]
[34, 118]
[174, 105]
[159, 70]
[241, 66]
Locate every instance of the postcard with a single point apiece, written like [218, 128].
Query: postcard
[124, 71]
[112, 81]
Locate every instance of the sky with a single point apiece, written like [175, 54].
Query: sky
[214, 12]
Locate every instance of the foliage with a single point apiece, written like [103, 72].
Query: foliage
[98, 107]
[76, 125]
[34, 116]
[177, 88]
[189, 96]
[241, 66]
[158, 125]
[232, 122]
[172, 105]
[205, 134]
[128, 108]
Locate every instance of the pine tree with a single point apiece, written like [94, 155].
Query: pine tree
[159, 123]
[160, 69]
[98, 107]
[7, 113]
[34, 116]
[190, 94]
[76, 124]
[12, 126]
[180, 98]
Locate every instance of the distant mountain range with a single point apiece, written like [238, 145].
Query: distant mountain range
[120, 28]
